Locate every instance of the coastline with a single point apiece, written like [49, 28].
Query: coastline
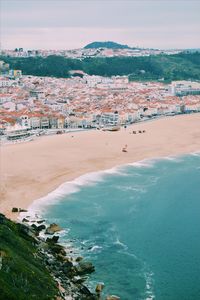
[37, 208]
[85, 181]
[32, 170]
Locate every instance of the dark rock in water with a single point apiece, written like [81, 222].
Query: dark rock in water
[22, 210]
[78, 280]
[53, 240]
[86, 294]
[34, 226]
[38, 228]
[112, 297]
[41, 227]
[25, 220]
[99, 288]
[79, 258]
[53, 228]
[15, 209]
[84, 268]
[41, 221]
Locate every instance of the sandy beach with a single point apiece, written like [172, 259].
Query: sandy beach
[32, 170]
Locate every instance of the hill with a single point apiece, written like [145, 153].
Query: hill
[108, 44]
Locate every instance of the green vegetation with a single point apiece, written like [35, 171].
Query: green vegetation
[181, 66]
[22, 273]
[108, 44]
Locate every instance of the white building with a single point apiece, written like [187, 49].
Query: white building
[7, 82]
[183, 88]
[35, 122]
[110, 118]
[25, 121]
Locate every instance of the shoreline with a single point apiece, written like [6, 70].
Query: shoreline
[80, 182]
[88, 152]
[87, 179]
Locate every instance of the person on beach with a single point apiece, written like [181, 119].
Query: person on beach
[124, 149]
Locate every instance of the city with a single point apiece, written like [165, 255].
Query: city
[88, 52]
[32, 105]
[99, 149]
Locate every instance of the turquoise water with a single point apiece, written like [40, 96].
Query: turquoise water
[140, 226]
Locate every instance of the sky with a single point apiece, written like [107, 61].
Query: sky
[66, 24]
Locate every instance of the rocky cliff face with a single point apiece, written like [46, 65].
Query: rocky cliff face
[38, 268]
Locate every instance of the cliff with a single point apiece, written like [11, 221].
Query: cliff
[36, 268]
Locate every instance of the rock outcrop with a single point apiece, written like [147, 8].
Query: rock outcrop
[53, 228]
[84, 268]
[39, 260]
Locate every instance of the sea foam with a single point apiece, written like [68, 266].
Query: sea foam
[196, 153]
[89, 179]
[67, 188]
[142, 164]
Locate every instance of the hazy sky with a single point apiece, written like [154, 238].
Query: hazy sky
[65, 24]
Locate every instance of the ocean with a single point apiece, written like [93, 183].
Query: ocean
[139, 224]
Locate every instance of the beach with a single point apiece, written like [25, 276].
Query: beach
[31, 170]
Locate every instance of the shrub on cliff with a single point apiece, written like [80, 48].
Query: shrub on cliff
[22, 273]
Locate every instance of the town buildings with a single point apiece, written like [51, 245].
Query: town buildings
[46, 103]
[89, 52]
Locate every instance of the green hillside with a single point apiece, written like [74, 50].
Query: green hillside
[22, 273]
[108, 44]
[31, 267]
[160, 67]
